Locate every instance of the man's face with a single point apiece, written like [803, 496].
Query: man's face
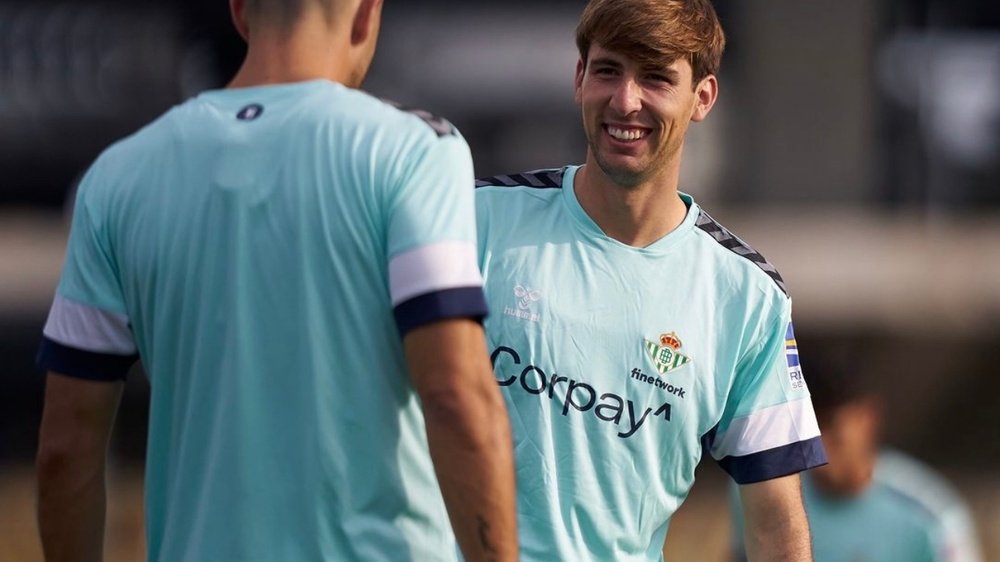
[850, 438]
[635, 117]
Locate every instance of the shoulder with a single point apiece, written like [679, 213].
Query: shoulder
[332, 102]
[916, 486]
[416, 116]
[503, 194]
[738, 257]
[547, 178]
[124, 157]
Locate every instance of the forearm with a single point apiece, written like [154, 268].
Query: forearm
[71, 508]
[470, 443]
[782, 539]
[72, 452]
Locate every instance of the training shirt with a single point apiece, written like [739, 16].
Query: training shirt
[907, 513]
[621, 364]
[262, 249]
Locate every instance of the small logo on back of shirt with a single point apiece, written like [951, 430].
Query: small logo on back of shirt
[250, 112]
[525, 297]
[665, 354]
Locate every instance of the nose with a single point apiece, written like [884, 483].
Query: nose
[626, 98]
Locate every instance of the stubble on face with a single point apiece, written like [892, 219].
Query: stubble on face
[666, 101]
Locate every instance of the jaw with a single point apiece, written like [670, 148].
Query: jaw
[623, 153]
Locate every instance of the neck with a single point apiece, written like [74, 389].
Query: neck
[637, 215]
[309, 51]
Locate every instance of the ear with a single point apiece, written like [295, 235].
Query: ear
[581, 68]
[366, 21]
[238, 13]
[705, 94]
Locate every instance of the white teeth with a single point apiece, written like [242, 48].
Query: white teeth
[625, 134]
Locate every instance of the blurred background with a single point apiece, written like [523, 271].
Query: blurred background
[855, 143]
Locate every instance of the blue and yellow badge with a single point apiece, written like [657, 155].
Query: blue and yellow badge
[792, 357]
[666, 355]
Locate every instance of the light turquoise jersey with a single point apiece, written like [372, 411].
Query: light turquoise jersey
[619, 364]
[908, 513]
[262, 249]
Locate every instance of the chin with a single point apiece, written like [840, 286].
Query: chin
[622, 175]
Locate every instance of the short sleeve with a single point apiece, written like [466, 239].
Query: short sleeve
[768, 428]
[433, 270]
[88, 334]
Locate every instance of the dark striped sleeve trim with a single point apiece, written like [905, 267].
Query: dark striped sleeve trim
[777, 462]
[461, 302]
[77, 363]
[440, 125]
[731, 242]
[541, 179]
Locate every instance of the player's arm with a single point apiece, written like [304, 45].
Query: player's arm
[468, 433]
[72, 450]
[776, 525]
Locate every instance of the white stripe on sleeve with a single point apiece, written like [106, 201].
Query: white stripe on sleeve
[88, 328]
[768, 428]
[434, 267]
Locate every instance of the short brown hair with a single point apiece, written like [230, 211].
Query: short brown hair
[655, 31]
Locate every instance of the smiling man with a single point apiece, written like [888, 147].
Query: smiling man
[633, 332]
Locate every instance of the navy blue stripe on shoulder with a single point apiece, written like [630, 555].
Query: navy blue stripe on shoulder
[541, 179]
[77, 363]
[731, 242]
[441, 126]
[460, 302]
[776, 462]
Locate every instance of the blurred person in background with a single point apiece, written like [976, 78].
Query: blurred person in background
[631, 331]
[295, 263]
[871, 503]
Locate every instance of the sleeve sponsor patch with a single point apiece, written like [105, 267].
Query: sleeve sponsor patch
[792, 357]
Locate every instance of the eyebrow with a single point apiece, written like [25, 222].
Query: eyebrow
[669, 73]
[606, 61]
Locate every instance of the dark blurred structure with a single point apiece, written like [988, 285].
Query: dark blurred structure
[842, 115]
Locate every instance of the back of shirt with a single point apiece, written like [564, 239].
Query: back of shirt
[262, 249]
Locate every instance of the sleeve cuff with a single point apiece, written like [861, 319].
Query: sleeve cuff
[77, 363]
[462, 302]
[776, 462]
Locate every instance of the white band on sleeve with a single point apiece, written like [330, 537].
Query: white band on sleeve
[768, 428]
[88, 328]
[434, 267]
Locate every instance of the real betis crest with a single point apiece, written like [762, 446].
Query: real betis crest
[665, 355]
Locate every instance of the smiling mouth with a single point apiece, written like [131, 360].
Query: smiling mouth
[625, 134]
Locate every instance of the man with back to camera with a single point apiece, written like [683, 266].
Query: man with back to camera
[630, 330]
[294, 261]
[871, 502]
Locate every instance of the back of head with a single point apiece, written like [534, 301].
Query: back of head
[300, 40]
[655, 32]
[835, 380]
[848, 409]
